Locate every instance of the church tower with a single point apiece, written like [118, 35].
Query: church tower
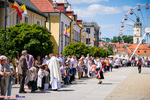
[137, 37]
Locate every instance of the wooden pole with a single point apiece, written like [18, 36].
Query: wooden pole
[11, 13]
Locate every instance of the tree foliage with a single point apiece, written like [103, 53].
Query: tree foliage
[110, 49]
[79, 49]
[33, 38]
[127, 39]
[76, 49]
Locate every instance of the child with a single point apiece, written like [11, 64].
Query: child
[86, 67]
[63, 73]
[68, 72]
[41, 74]
[93, 68]
[32, 81]
[47, 78]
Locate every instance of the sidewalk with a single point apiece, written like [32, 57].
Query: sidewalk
[135, 87]
[86, 89]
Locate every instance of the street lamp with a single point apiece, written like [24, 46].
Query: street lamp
[55, 4]
[65, 6]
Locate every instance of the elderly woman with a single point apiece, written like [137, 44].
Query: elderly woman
[4, 74]
[8, 90]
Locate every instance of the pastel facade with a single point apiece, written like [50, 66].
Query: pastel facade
[92, 28]
[34, 15]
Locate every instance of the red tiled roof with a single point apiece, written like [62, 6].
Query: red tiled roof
[43, 5]
[142, 49]
[69, 13]
[79, 21]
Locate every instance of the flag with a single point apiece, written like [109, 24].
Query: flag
[68, 32]
[64, 32]
[21, 10]
[25, 13]
[18, 9]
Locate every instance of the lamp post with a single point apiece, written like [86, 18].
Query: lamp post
[65, 6]
[5, 22]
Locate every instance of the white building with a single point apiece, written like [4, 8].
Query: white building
[92, 29]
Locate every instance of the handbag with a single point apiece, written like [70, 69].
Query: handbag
[97, 69]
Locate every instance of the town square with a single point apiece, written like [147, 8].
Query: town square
[74, 49]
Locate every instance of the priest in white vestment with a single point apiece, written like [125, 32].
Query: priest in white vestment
[55, 73]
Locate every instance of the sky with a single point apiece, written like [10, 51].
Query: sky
[109, 13]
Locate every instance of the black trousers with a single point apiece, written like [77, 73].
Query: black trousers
[22, 82]
[139, 68]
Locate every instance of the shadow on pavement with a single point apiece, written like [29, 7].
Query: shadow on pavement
[106, 84]
[40, 92]
[65, 90]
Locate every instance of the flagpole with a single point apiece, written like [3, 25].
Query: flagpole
[5, 22]
[11, 13]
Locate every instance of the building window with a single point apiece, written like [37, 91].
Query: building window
[137, 40]
[26, 20]
[144, 51]
[88, 30]
[87, 40]
[119, 55]
[138, 51]
[123, 55]
[38, 22]
[17, 19]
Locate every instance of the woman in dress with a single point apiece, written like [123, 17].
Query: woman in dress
[16, 64]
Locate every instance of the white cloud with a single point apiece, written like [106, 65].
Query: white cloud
[96, 9]
[85, 1]
[107, 26]
[126, 8]
[129, 23]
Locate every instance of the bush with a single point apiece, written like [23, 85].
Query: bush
[33, 38]
[79, 49]
[76, 49]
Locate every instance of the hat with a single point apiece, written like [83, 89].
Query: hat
[32, 69]
[3, 57]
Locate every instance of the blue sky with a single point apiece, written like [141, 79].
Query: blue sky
[107, 13]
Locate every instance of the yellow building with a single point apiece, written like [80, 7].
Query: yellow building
[34, 14]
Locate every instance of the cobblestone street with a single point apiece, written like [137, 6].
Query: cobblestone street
[121, 84]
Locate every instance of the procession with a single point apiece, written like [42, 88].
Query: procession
[51, 72]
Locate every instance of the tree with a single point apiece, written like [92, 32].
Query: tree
[110, 49]
[126, 39]
[33, 38]
[76, 49]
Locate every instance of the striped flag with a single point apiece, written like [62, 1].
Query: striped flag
[21, 10]
[18, 9]
[68, 32]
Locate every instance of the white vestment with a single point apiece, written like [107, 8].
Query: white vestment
[55, 73]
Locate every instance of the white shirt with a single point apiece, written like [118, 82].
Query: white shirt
[73, 62]
[118, 62]
[111, 62]
[32, 76]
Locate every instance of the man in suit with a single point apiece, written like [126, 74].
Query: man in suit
[4, 74]
[22, 70]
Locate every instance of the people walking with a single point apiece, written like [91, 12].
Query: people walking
[139, 65]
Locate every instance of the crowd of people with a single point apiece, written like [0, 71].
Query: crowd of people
[53, 71]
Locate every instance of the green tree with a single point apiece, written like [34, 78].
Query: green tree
[110, 49]
[76, 49]
[126, 39]
[33, 38]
